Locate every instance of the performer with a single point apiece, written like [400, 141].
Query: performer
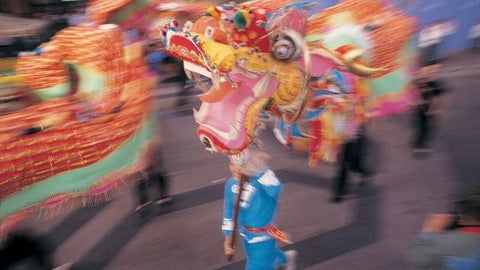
[256, 211]
[352, 159]
[429, 106]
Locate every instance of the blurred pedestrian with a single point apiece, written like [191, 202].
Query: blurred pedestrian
[352, 159]
[450, 241]
[259, 190]
[154, 173]
[429, 105]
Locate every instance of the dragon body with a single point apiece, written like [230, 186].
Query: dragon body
[92, 121]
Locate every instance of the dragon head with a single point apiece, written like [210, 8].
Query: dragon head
[256, 57]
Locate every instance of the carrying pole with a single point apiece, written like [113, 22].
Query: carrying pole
[235, 213]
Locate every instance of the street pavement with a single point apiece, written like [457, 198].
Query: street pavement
[372, 229]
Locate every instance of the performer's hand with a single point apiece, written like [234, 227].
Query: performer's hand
[227, 246]
[436, 223]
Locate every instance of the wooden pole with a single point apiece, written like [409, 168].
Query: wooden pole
[235, 213]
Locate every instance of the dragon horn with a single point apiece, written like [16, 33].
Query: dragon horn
[352, 55]
[352, 61]
[363, 70]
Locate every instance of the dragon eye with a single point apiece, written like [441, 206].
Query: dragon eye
[287, 46]
[283, 49]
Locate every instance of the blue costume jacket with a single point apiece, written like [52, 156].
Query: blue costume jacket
[257, 205]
